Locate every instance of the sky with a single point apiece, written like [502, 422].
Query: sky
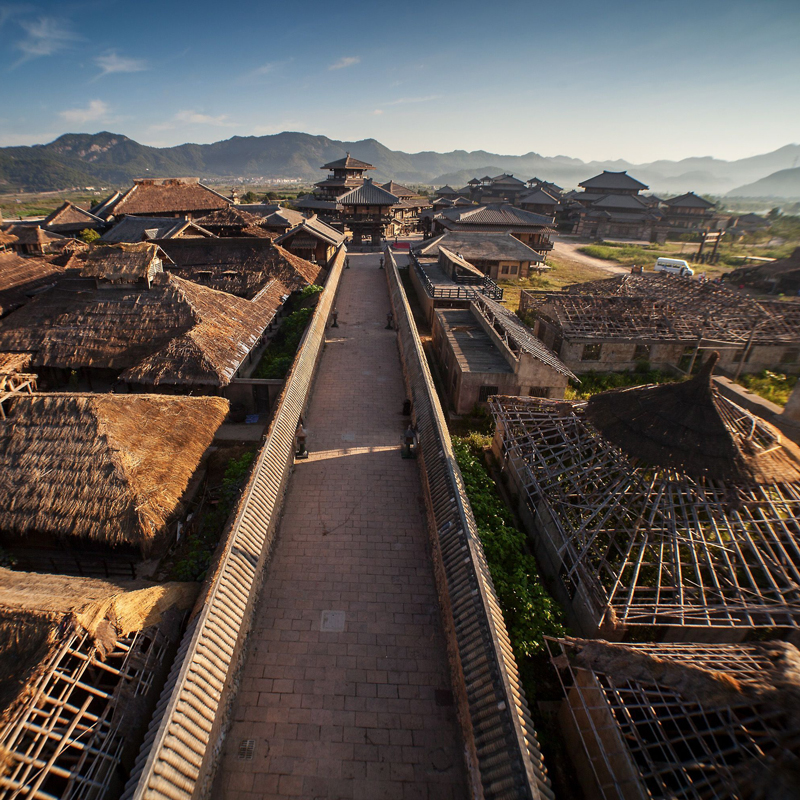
[640, 81]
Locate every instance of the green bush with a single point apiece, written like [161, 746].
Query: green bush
[529, 611]
[279, 355]
[596, 382]
[200, 548]
[773, 386]
[310, 290]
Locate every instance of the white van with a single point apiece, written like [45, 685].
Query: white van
[674, 266]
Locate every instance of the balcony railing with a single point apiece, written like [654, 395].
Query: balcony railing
[468, 286]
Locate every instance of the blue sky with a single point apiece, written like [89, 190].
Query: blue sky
[636, 80]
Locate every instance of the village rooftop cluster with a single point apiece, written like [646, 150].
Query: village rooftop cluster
[665, 519]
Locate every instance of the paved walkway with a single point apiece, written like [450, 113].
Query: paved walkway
[345, 691]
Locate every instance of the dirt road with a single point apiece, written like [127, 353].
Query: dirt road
[569, 251]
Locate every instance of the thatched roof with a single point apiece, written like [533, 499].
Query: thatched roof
[176, 332]
[167, 196]
[213, 349]
[123, 263]
[34, 607]
[20, 277]
[35, 236]
[70, 217]
[11, 363]
[688, 426]
[110, 469]
[7, 238]
[776, 276]
[240, 266]
[229, 217]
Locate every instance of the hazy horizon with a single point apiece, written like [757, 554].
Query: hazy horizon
[620, 82]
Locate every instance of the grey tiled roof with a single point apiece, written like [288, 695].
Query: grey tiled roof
[522, 335]
[140, 229]
[502, 215]
[312, 202]
[539, 197]
[314, 227]
[689, 200]
[508, 180]
[479, 246]
[613, 180]
[348, 162]
[620, 201]
[368, 194]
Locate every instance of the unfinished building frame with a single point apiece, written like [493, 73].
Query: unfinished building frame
[678, 720]
[646, 545]
[66, 741]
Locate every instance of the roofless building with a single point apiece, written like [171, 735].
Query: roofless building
[81, 665]
[666, 506]
[681, 720]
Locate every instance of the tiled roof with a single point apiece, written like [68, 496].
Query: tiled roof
[445, 190]
[501, 215]
[613, 180]
[142, 229]
[688, 200]
[312, 202]
[348, 162]
[315, 227]
[539, 197]
[521, 334]
[627, 201]
[398, 189]
[368, 194]
[507, 180]
[474, 246]
[170, 196]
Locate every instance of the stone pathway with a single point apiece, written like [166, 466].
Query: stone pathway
[345, 692]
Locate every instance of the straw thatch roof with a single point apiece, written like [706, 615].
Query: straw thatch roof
[240, 266]
[69, 217]
[176, 332]
[7, 238]
[20, 277]
[11, 363]
[151, 197]
[109, 469]
[688, 426]
[34, 236]
[123, 263]
[36, 610]
[776, 276]
[229, 217]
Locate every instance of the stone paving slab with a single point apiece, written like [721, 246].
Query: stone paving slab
[345, 692]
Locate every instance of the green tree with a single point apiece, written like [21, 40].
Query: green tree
[89, 235]
[249, 197]
[270, 197]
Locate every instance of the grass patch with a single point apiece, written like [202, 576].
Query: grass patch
[561, 273]
[529, 611]
[773, 386]
[596, 382]
[194, 557]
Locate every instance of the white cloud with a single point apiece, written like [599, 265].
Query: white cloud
[377, 112]
[96, 110]
[402, 100]
[347, 61]
[45, 36]
[112, 62]
[188, 117]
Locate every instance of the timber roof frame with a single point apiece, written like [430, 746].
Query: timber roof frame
[652, 545]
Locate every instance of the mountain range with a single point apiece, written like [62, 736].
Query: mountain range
[110, 159]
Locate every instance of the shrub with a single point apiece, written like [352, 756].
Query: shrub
[529, 611]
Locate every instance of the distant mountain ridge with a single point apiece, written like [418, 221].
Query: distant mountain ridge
[783, 184]
[80, 159]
